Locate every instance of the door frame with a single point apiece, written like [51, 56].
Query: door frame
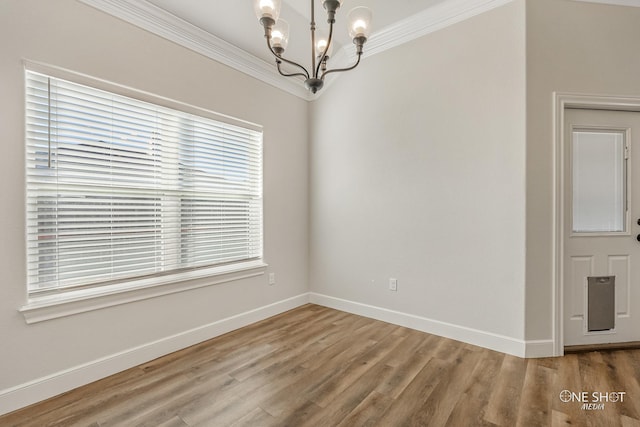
[561, 102]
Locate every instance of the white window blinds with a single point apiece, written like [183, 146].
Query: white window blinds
[119, 188]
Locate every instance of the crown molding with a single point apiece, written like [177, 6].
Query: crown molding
[428, 21]
[160, 22]
[435, 18]
[164, 24]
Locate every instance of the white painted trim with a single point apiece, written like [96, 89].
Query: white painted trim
[435, 18]
[477, 337]
[634, 3]
[426, 22]
[43, 388]
[109, 86]
[39, 309]
[562, 101]
[39, 389]
[557, 328]
[160, 22]
[538, 348]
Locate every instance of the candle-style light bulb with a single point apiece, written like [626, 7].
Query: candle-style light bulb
[267, 8]
[280, 35]
[321, 44]
[360, 22]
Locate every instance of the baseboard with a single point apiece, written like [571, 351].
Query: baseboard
[538, 348]
[43, 388]
[477, 337]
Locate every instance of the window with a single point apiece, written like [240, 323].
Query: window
[121, 189]
[598, 181]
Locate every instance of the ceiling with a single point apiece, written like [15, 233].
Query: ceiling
[236, 23]
[228, 31]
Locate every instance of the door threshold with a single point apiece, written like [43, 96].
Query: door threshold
[632, 345]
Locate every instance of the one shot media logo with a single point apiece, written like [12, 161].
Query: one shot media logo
[592, 400]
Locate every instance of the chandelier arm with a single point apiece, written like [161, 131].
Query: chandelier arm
[326, 49]
[289, 75]
[338, 70]
[306, 73]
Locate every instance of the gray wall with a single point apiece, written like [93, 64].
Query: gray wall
[68, 34]
[571, 47]
[418, 173]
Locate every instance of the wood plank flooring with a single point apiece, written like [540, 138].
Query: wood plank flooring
[314, 366]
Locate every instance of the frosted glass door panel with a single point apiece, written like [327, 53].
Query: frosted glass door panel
[599, 187]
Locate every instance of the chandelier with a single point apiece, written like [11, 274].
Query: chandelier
[276, 31]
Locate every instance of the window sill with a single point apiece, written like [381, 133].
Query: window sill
[80, 301]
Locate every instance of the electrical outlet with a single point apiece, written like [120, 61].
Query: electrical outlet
[272, 278]
[393, 284]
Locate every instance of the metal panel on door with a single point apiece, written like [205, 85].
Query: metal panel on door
[601, 311]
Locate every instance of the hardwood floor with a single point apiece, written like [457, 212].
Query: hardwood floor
[314, 366]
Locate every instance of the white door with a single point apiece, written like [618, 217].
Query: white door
[601, 227]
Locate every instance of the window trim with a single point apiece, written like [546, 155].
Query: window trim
[141, 95]
[77, 301]
[44, 307]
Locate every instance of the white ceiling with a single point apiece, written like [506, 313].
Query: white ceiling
[236, 23]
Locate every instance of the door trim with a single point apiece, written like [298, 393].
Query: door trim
[561, 102]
